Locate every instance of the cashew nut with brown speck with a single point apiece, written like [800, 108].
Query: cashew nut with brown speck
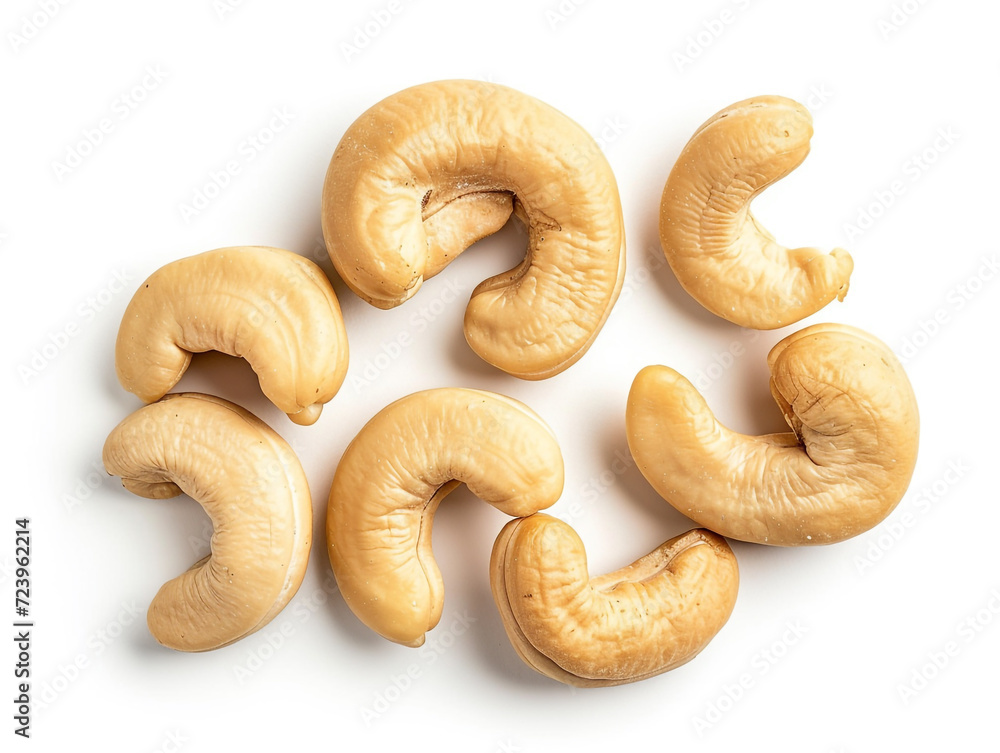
[428, 171]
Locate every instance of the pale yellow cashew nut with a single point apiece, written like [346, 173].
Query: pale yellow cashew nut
[274, 308]
[253, 488]
[395, 472]
[718, 251]
[429, 170]
[843, 468]
[644, 619]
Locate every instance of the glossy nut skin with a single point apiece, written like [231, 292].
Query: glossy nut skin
[718, 251]
[395, 472]
[429, 170]
[274, 308]
[841, 470]
[644, 619]
[254, 490]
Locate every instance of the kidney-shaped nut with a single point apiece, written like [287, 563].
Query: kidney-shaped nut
[255, 492]
[842, 470]
[395, 472]
[429, 170]
[274, 308]
[644, 619]
[717, 250]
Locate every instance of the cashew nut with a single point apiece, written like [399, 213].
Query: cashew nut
[719, 253]
[274, 308]
[842, 469]
[254, 490]
[644, 619]
[392, 477]
[429, 170]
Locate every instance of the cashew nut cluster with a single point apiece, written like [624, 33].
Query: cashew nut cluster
[272, 307]
[644, 619]
[843, 468]
[416, 180]
[394, 474]
[253, 488]
[429, 170]
[718, 251]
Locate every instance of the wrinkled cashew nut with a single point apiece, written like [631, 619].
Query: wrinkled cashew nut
[274, 308]
[841, 471]
[429, 170]
[719, 253]
[644, 619]
[253, 488]
[394, 474]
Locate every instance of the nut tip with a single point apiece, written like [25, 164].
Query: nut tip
[307, 416]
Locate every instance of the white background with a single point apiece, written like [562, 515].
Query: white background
[901, 93]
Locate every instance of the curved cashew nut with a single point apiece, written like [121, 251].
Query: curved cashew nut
[253, 488]
[392, 477]
[644, 619]
[426, 172]
[274, 308]
[842, 470]
[719, 253]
